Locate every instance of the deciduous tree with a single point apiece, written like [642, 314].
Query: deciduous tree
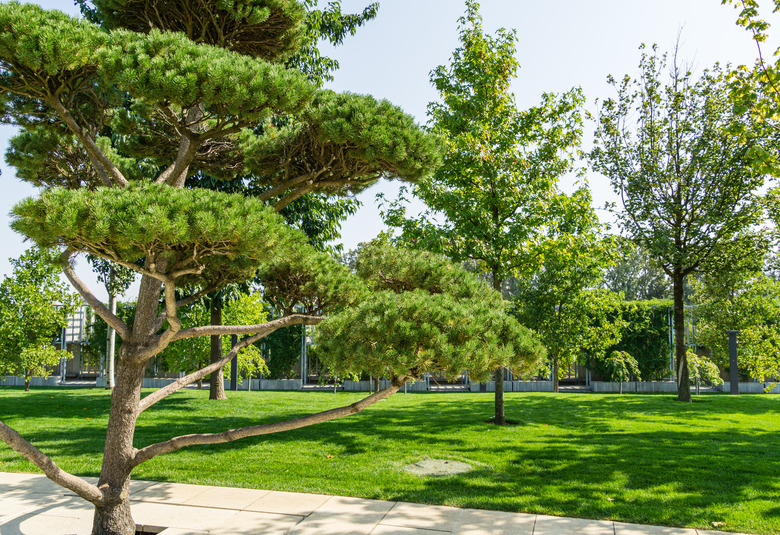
[490, 200]
[561, 300]
[687, 166]
[34, 308]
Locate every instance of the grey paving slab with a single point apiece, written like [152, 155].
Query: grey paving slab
[177, 531]
[247, 522]
[171, 493]
[480, 522]
[415, 515]
[337, 524]
[710, 532]
[43, 524]
[288, 503]
[397, 530]
[18, 503]
[226, 498]
[636, 529]
[351, 506]
[180, 516]
[554, 525]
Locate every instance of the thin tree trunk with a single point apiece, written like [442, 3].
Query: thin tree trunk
[680, 347]
[217, 382]
[27, 378]
[499, 417]
[556, 370]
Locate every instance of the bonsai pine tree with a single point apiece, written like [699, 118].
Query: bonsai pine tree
[129, 110]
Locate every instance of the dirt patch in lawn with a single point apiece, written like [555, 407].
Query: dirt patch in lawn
[437, 467]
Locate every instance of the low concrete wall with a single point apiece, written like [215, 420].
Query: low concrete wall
[634, 386]
[14, 380]
[516, 386]
[750, 388]
[277, 384]
[149, 382]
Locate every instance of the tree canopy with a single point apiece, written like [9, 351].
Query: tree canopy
[688, 166]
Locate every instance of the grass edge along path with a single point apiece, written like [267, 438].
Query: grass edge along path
[647, 459]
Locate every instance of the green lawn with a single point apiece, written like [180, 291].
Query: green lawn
[635, 458]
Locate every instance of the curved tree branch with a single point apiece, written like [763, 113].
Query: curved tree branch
[100, 309]
[89, 144]
[211, 330]
[231, 435]
[17, 443]
[180, 383]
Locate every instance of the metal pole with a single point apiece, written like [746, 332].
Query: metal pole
[733, 365]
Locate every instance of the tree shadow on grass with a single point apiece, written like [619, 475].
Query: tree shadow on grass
[574, 455]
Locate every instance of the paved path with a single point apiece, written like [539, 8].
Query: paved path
[32, 505]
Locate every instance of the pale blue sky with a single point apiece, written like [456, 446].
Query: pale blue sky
[561, 44]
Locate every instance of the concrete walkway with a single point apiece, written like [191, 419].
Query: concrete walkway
[32, 505]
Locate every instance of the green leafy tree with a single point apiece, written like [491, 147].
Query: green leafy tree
[560, 301]
[745, 299]
[758, 87]
[34, 308]
[682, 159]
[702, 370]
[621, 367]
[196, 93]
[501, 164]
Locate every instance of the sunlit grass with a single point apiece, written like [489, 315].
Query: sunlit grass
[633, 458]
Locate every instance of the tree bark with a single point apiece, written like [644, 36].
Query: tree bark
[555, 373]
[217, 382]
[112, 515]
[680, 347]
[499, 417]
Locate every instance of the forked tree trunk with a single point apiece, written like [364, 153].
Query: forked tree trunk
[112, 515]
[217, 382]
[680, 347]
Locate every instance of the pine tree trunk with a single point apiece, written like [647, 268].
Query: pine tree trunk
[113, 517]
[680, 347]
[217, 382]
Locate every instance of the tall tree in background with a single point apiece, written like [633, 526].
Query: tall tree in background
[34, 308]
[687, 171]
[745, 299]
[561, 302]
[493, 193]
